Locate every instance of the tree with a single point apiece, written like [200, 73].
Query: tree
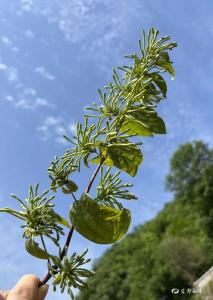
[178, 262]
[187, 165]
[171, 251]
[191, 175]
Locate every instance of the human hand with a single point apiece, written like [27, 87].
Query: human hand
[26, 289]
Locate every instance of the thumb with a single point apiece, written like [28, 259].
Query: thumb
[42, 292]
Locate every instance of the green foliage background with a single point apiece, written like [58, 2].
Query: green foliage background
[171, 251]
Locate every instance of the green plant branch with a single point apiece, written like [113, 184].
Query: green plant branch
[44, 246]
[73, 195]
[70, 233]
[94, 175]
[67, 243]
[127, 110]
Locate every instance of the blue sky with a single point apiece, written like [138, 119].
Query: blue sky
[54, 55]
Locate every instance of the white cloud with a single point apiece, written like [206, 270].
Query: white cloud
[48, 129]
[25, 97]
[6, 40]
[27, 101]
[184, 118]
[49, 121]
[27, 4]
[97, 26]
[61, 140]
[9, 98]
[31, 104]
[41, 102]
[10, 72]
[60, 130]
[44, 73]
[30, 91]
[54, 128]
[3, 67]
[28, 33]
[72, 128]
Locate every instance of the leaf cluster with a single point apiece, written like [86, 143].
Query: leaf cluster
[59, 175]
[127, 109]
[69, 272]
[111, 188]
[38, 215]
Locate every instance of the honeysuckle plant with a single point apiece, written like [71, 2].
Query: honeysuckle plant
[110, 138]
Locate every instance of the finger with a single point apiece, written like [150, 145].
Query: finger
[42, 292]
[3, 295]
[25, 289]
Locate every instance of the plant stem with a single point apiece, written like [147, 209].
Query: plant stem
[73, 195]
[48, 275]
[43, 243]
[94, 176]
[70, 233]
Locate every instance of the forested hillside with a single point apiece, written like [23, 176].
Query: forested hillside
[171, 251]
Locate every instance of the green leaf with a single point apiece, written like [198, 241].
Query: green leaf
[33, 248]
[166, 66]
[61, 220]
[163, 56]
[144, 122]
[86, 157]
[134, 125]
[65, 191]
[57, 279]
[72, 186]
[129, 196]
[53, 186]
[98, 223]
[17, 214]
[126, 157]
[160, 82]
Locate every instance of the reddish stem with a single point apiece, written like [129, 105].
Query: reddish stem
[48, 275]
[94, 175]
[70, 233]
